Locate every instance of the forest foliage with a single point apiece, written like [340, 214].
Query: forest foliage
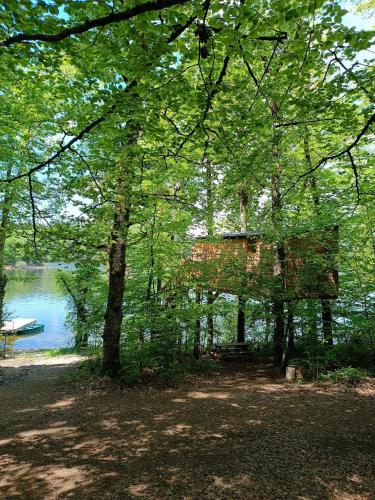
[127, 129]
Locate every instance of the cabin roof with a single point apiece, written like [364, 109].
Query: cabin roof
[242, 234]
[233, 235]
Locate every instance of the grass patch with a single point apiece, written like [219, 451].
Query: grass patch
[61, 351]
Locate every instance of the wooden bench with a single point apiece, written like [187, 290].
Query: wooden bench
[235, 350]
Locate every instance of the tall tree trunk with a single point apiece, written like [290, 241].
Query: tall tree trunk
[197, 329]
[210, 223]
[268, 311]
[7, 200]
[111, 363]
[81, 339]
[278, 332]
[289, 336]
[311, 332]
[325, 304]
[210, 321]
[81, 313]
[149, 302]
[241, 317]
[327, 322]
[116, 284]
[290, 326]
[279, 264]
[210, 211]
[243, 209]
[279, 344]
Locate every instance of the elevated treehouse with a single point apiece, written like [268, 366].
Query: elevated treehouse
[243, 263]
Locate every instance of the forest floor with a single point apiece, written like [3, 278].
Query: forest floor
[239, 433]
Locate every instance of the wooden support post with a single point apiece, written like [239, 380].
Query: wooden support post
[278, 336]
[197, 329]
[290, 326]
[327, 322]
[241, 319]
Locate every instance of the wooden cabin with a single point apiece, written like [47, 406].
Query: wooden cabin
[243, 263]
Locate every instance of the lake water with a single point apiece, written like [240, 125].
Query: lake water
[33, 293]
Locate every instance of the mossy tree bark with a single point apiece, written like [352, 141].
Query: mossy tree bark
[117, 256]
[116, 285]
[5, 213]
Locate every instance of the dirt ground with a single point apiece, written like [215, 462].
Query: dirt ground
[238, 434]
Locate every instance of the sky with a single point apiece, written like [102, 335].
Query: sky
[357, 20]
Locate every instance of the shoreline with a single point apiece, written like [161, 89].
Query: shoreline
[25, 267]
[60, 350]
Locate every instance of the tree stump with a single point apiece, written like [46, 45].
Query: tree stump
[290, 373]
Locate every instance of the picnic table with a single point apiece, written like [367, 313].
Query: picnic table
[232, 350]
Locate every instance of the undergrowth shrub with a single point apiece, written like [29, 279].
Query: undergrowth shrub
[353, 355]
[349, 375]
[159, 360]
[88, 370]
[322, 358]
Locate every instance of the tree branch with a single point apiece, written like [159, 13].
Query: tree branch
[92, 23]
[354, 167]
[63, 148]
[33, 213]
[208, 105]
[90, 172]
[264, 74]
[351, 72]
[304, 122]
[281, 38]
[178, 30]
[346, 151]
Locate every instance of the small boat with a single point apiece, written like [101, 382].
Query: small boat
[31, 329]
[21, 326]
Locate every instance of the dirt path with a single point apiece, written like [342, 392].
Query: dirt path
[30, 368]
[239, 434]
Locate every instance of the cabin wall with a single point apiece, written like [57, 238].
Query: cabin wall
[245, 265]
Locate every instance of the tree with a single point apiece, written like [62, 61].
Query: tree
[118, 119]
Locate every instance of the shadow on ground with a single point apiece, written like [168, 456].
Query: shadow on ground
[236, 435]
[32, 367]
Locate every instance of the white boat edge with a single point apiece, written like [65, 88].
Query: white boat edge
[13, 325]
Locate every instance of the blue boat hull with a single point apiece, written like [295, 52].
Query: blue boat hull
[31, 329]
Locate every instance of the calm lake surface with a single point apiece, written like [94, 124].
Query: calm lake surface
[33, 293]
